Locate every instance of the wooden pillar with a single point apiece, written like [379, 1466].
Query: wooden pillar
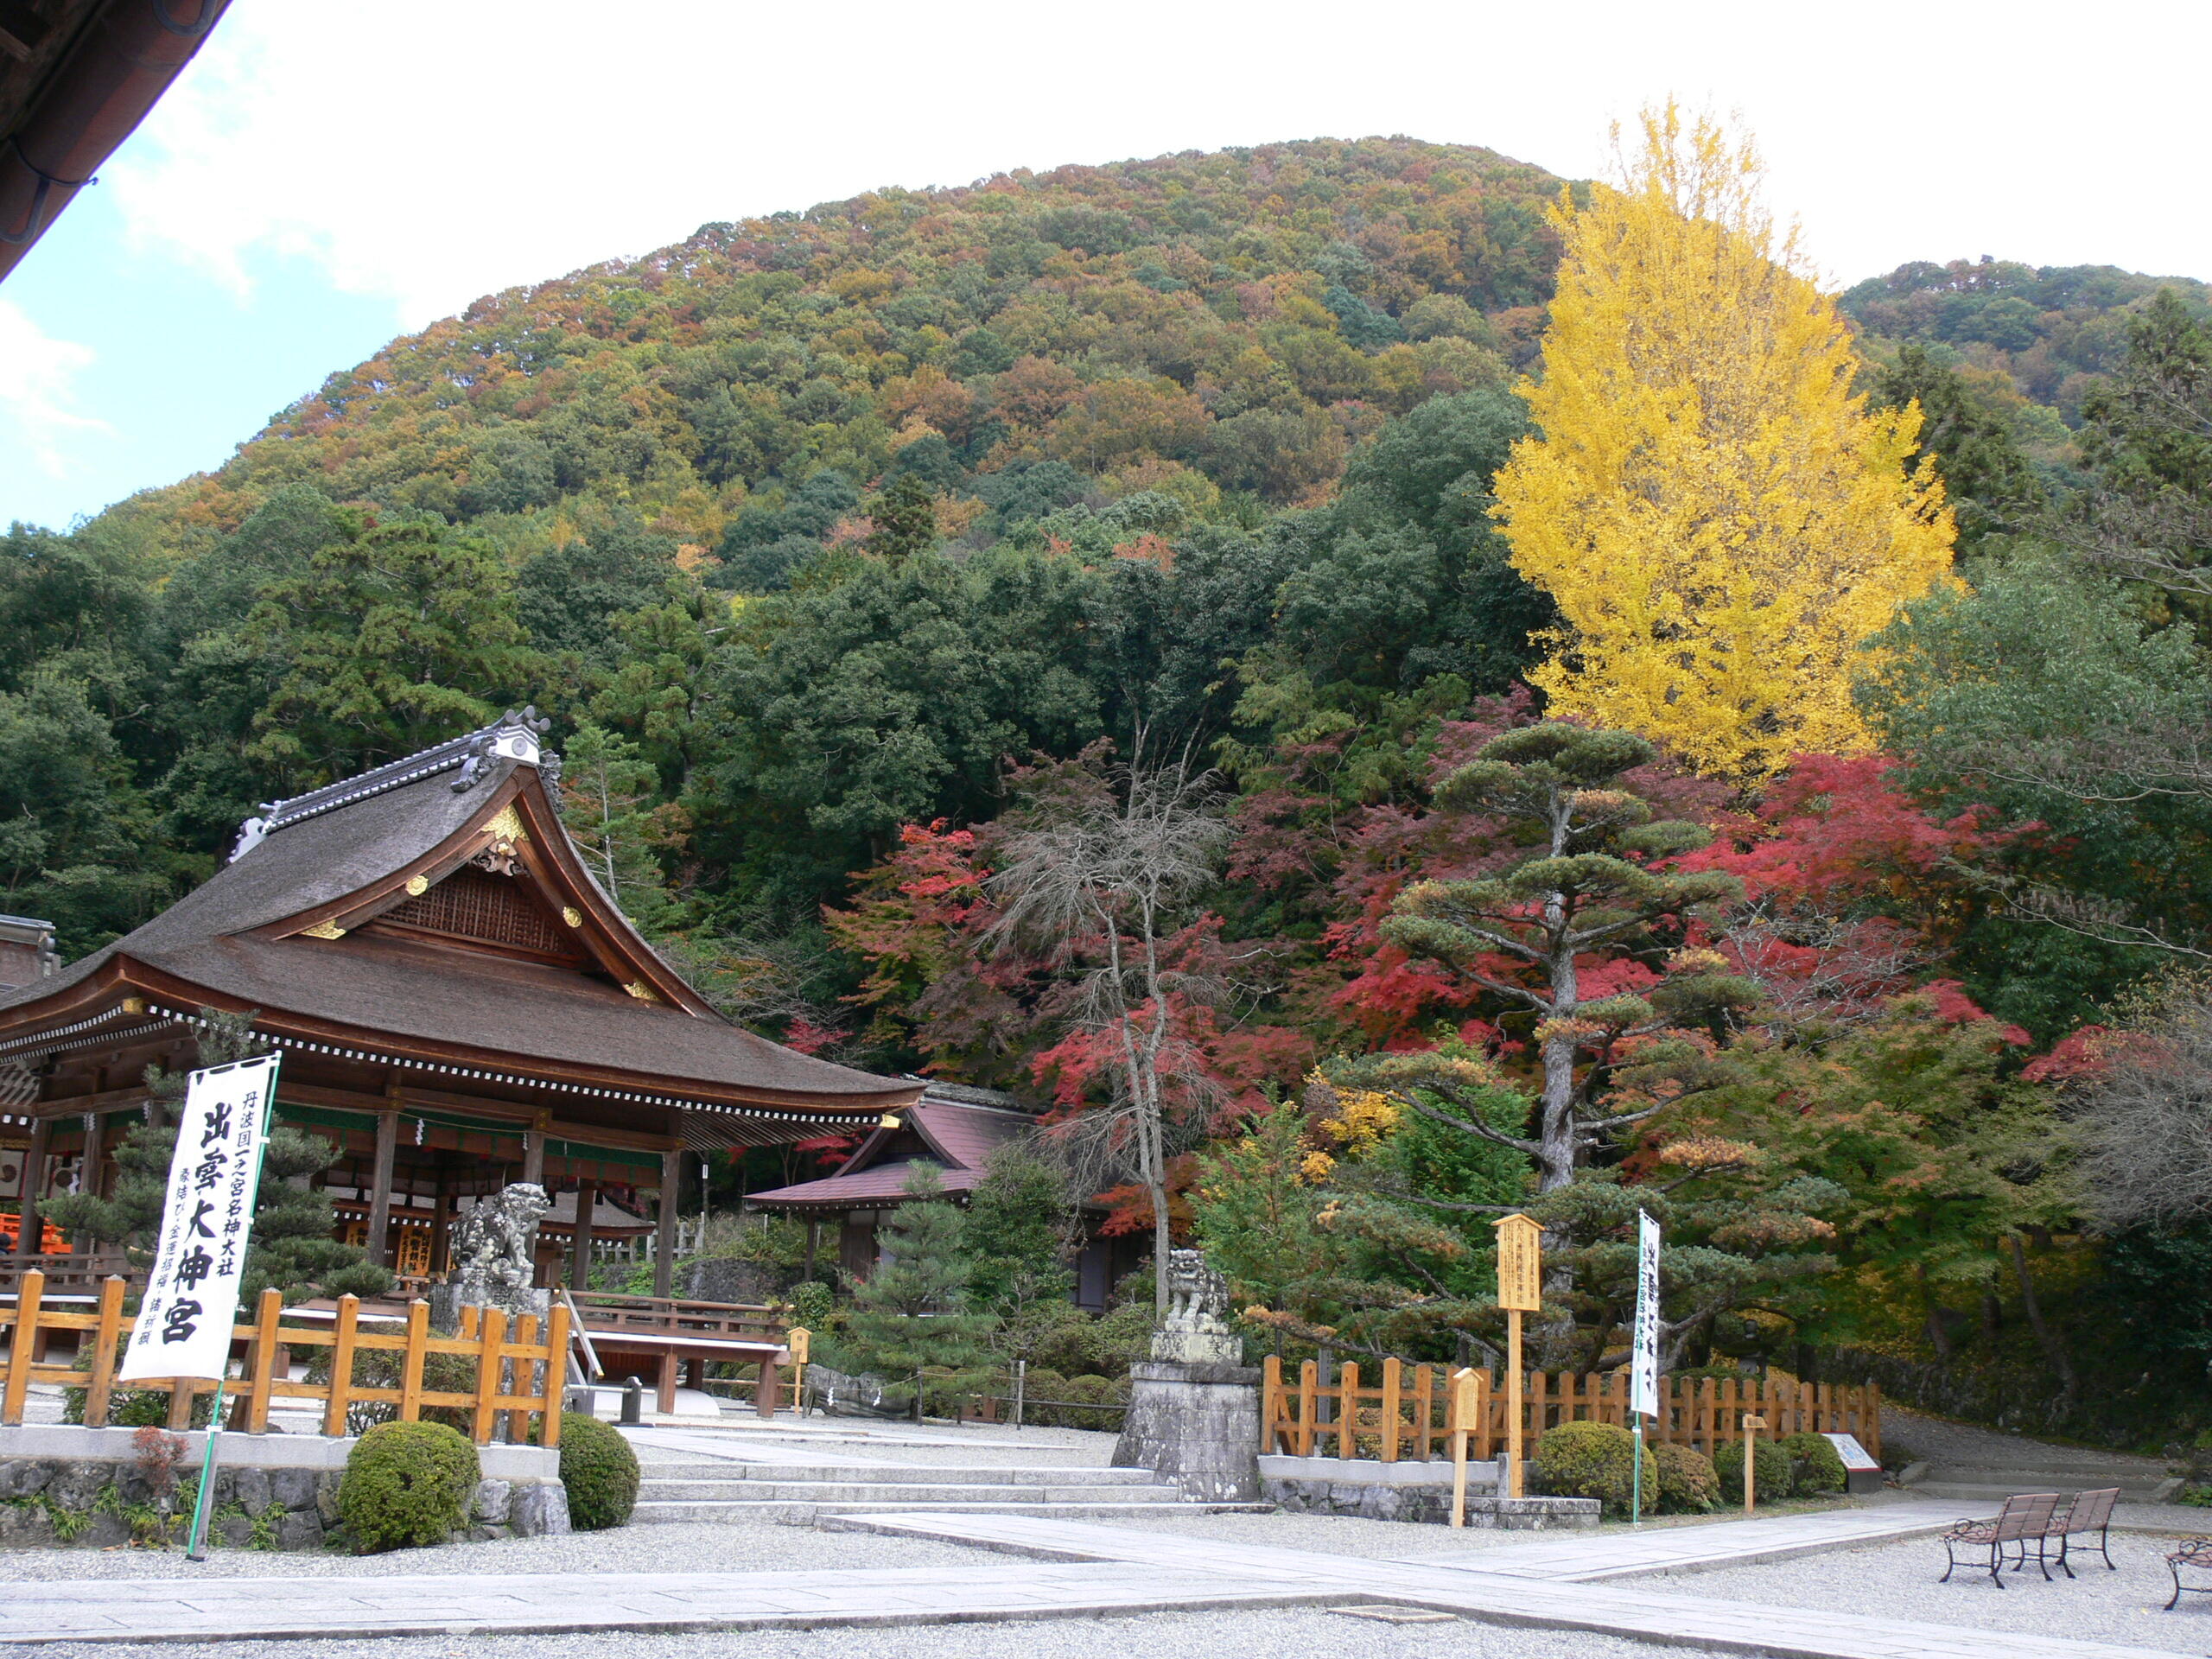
[580, 1252]
[813, 1238]
[88, 1177]
[666, 1393]
[379, 1239]
[533, 1154]
[671, 1186]
[27, 1225]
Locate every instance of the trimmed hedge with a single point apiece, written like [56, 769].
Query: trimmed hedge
[1593, 1460]
[599, 1471]
[1773, 1469]
[1688, 1483]
[1814, 1463]
[407, 1485]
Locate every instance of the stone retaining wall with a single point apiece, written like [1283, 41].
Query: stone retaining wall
[89, 1486]
[1411, 1491]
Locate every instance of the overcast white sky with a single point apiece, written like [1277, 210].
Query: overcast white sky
[323, 176]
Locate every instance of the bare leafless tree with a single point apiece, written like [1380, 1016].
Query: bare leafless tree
[2145, 1113]
[1100, 873]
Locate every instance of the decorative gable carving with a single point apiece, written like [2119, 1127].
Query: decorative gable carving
[483, 908]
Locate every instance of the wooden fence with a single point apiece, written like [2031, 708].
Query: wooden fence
[610, 1317]
[536, 1369]
[1410, 1418]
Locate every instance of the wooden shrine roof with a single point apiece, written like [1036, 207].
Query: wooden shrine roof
[437, 908]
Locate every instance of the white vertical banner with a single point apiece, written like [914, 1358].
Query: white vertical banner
[1643, 1376]
[192, 1291]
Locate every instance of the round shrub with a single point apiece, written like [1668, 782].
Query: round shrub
[405, 1484]
[1079, 1391]
[1773, 1470]
[599, 1471]
[1041, 1384]
[1814, 1463]
[1689, 1485]
[1592, 1460]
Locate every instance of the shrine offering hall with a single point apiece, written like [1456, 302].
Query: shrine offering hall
[459, 1006]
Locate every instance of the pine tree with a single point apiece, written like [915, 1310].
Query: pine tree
[1718, 519]
[912, 1315]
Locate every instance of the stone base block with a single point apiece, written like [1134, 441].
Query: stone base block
[1197, 1424]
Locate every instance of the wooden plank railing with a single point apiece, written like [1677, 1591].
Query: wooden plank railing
[70, 1276]
[603, 1312]
[535, 1367]
[1409, 1418]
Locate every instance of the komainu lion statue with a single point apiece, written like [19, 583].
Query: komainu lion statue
[1196, 1294]
[494, 1245]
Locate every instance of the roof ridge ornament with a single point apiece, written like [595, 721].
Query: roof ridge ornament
[518, 735]
[514, 736]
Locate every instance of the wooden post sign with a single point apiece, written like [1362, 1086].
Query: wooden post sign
[1468, 1408]
[1520, 1290]
[1751, 1426]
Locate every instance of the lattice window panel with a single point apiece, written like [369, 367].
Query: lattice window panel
[474, 903]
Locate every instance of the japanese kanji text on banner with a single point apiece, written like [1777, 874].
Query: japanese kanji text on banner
[192, 1291]
[1644, 1374]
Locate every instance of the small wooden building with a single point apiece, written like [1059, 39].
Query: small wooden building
[956, 1129]
[458, 1003]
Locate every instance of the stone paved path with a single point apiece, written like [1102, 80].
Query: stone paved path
[1077, 1569]
[544, 1604]
[1499, 1599]
[1585, 1558]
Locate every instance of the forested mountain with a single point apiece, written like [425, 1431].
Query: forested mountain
[850, 550]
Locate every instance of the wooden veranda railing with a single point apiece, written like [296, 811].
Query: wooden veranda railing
[666, 1316]
[515, 1373]
[1410, 1417]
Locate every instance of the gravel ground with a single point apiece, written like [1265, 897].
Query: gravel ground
[1287, 1633]
[1899, 1581]
[702, 1546]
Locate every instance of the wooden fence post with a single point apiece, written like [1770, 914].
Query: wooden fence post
[182, 1389]
[97, 1390]
[341, 1365]
[1870, 1415]
[261, 1363]
[1348, 1411]
[1270, 1400]
[494, 1330]
[556, 1365]
[21, 1342]
[410, 1366]
[1391, 1401]
[1308, 1392]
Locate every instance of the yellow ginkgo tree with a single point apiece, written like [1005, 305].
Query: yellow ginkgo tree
[1719, 517]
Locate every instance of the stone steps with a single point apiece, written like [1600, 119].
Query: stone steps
[702, 1489]
[651, 1511]
[979, 1493]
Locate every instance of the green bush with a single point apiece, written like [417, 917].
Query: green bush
[385, 1368]
[1689, 1485]
[1082, 1391]
[1814, 1463]
[1592, 1460]
[599, 1471]
[1773, 1469]
[406, 1485]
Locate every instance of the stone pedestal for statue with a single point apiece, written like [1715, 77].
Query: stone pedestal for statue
[1194, 1407]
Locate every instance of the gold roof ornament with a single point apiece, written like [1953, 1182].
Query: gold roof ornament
[572, 916]
[643, 992]
[417, 886]
[324, 930]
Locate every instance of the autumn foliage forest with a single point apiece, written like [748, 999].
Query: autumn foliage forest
[1586, 758]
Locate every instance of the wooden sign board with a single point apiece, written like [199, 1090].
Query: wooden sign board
[1520, 1265]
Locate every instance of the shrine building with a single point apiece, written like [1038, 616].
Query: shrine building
[458, 1003]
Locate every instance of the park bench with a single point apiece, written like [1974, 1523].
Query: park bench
[2022, 1518]
[2089, 1512]
[2194, 1551]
